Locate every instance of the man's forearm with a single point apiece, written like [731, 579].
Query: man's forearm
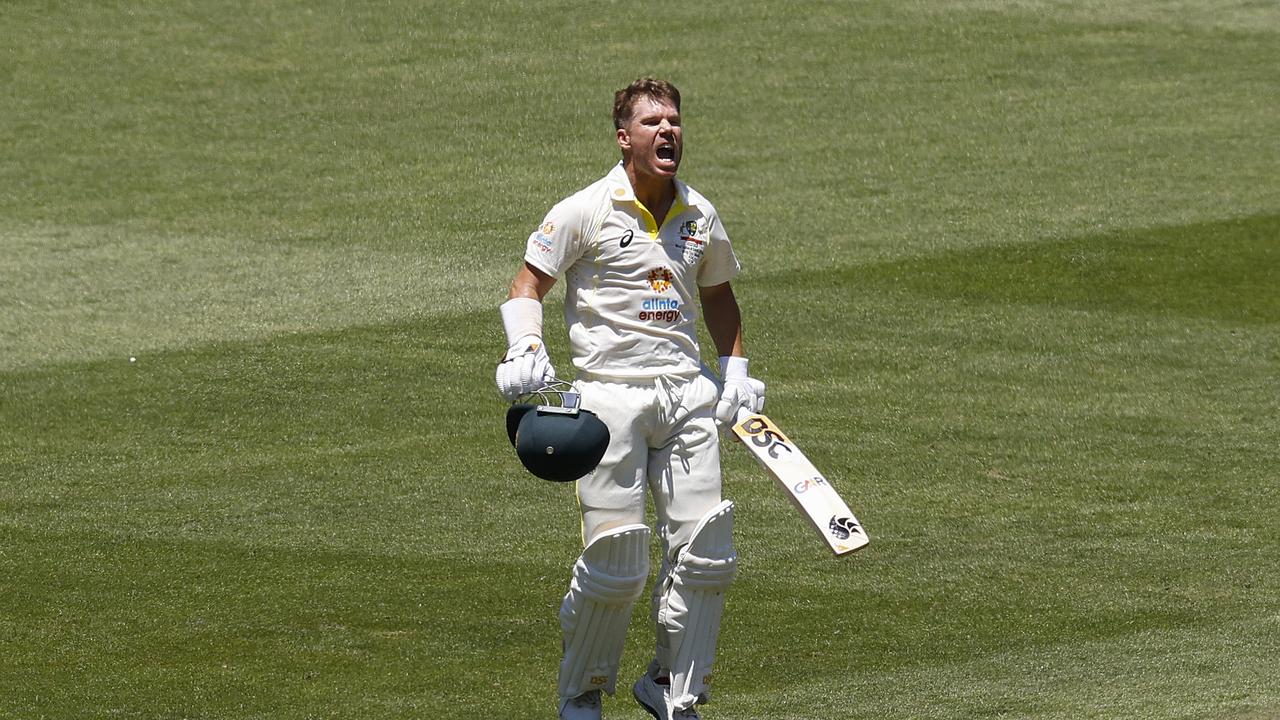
[531, 283]
[724, 319]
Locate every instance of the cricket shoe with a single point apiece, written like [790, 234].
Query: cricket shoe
[584, 707]
[652, 696]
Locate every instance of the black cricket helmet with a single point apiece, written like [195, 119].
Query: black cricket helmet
[554, 437]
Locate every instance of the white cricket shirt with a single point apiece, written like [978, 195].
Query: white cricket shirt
[631, 296]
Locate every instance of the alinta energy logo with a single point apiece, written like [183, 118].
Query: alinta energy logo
[660, 309]
[542, 239]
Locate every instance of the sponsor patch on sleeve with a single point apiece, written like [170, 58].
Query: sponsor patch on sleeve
[543, 239]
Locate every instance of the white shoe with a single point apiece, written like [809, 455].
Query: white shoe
[584, 707]
[653, 698]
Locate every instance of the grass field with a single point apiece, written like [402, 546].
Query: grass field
[1012, 274]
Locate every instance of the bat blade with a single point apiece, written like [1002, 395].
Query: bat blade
[808, 489]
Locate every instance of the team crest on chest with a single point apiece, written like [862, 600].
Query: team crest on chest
[691, 245]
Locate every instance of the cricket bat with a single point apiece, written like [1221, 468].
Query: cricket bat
[807, 488]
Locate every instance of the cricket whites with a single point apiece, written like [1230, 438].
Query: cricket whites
[807, 488]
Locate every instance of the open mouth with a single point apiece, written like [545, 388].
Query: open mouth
[666, 152]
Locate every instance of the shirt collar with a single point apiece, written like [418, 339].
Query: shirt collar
[620, 188]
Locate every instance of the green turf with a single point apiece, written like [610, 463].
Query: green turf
[1012, 276]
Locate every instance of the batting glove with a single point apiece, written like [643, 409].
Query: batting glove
[525, 368]
[739, 390]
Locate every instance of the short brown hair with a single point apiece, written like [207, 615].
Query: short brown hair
[625, 99]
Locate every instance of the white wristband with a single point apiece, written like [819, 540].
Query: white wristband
[521, 317]
[732, 367]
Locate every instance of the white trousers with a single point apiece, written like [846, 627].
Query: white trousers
[662, 439]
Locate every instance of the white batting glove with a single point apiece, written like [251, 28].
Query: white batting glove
[525, 367]
[738, 391]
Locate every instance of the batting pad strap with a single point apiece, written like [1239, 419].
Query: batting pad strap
[521, 317]
[608, 589]
[705, 573]
[594, 616]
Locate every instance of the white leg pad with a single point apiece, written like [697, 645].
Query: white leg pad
[691, 604]
[594, 616]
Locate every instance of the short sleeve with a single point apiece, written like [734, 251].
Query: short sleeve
[558, 242]
[720, 265]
